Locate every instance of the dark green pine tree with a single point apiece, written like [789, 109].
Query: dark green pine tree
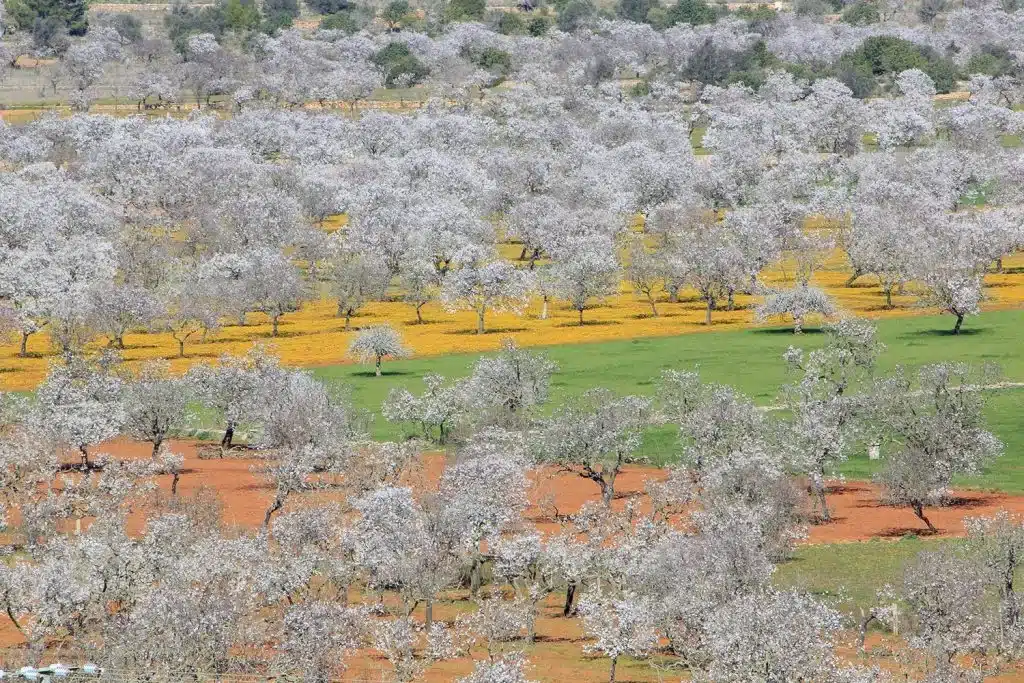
[70, 13]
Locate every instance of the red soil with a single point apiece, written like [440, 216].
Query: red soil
[857, 514]
[558, 654]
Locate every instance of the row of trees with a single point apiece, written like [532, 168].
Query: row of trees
[245, 55]
[112, 225]
[694, 571]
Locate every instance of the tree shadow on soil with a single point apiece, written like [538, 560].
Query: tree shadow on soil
[590, 323]
[787, 330]
[902, 531]
[383, 373]
[80, 467]
[491, 331]
[964, 332]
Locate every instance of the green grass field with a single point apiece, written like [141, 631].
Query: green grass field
[848, 575]
[751, 361]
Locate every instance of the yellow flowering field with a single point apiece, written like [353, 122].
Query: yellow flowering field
[315, 336]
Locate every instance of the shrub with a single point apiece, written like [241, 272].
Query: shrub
[538, 26]
[349, 21]
[396, 13]
[19, 14]
[886, 55]
[279, 13]
[465, 10]
[693, 12]
[992, 60]
[858, 79]
[511, 24]
[493, 59]
[327, 7]
[577, 13]
[640, 89]
[240, 15]
[930, 9]
[762, 14]
[811, 8]
[69, 15]
[399, 65]
[861, 14]
[635, 10]
[127, 26]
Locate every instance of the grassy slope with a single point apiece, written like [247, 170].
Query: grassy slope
[749, 360]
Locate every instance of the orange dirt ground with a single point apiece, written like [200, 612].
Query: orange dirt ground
[557, 656]
[857, 514]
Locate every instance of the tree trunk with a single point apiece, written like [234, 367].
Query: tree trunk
[480, 320]
[348, 319]
[864, 623]
[959, 323]
[710, 307]
[888, 297]
[174, 483]
[229, 434]
[581, 317]
[23, 351]
[273, 325]
[85, 457]
[853, 277]
[158, 441]
[1009, 595]
[181, 348]
[377, 368]
[274, 507]
[476, 578]
[570, 598]
[798, 324]
[654, 308]
[611, 670]
[818, 487]
[419, 314]
[608, 488]
[429, 615]
[919, 511]
[544, 309]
